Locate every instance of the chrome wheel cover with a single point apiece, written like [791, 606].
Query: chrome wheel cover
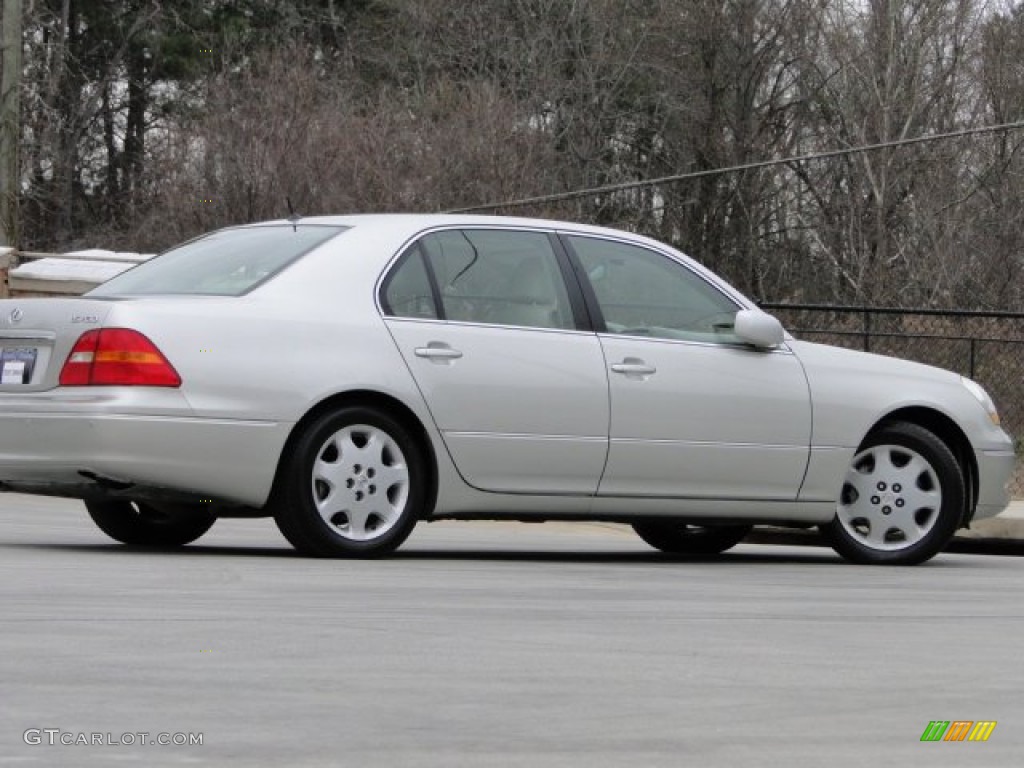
[360, 482]
[891, 498]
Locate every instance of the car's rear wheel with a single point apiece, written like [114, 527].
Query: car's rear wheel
[150, 525]
[684, 539]
[902, 499]
[354, 485]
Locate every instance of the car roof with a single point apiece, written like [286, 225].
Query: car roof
[408, 225]
[416, 222]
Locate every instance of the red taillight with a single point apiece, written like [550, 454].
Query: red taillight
[117, 357]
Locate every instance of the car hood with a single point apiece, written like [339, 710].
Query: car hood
[867, 364]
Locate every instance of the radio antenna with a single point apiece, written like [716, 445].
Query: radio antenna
[293, 217]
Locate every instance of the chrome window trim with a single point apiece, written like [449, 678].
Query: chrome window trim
[470, 324]
[740, 346]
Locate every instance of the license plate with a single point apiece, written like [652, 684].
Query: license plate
[16, 364]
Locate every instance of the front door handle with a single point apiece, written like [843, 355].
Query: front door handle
[634, 366]
[439, 351]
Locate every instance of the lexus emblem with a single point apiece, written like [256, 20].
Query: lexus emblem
[16, 315]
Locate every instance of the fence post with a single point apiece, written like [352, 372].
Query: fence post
[867, 330]
[971, 374]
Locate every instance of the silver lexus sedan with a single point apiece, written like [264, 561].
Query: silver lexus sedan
[352, 375]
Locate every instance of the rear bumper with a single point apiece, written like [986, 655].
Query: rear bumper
[229, 461]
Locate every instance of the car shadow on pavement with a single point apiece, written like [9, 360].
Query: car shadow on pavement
[570, 556]
[454, 553]
[122, 549]
[793, 553]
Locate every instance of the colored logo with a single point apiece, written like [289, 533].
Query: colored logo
[958, 730]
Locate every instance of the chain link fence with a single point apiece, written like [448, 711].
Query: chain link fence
[985, 346]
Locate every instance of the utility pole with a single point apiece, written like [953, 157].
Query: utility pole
[10, 119]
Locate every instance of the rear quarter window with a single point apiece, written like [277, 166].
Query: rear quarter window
[229, 262]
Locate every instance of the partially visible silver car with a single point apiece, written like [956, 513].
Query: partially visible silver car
[352, 375]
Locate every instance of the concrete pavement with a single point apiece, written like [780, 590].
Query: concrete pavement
[492, 645]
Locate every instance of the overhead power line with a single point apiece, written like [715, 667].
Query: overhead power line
[591, 191]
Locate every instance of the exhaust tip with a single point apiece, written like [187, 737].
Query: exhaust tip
[108, 483]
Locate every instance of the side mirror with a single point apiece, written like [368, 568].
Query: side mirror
[758, 329]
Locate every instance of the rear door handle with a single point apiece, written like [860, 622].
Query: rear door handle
[439, 351]
[634, 366]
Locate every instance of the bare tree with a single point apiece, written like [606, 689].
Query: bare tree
[890, 70]
[167, 119]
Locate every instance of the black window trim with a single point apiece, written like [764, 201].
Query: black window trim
[595, 317]
[582, 317]
[435, 287]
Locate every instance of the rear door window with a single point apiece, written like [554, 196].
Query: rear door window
[495, 277]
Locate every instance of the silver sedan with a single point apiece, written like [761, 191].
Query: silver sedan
[353, 375]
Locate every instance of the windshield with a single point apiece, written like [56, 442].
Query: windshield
[229, 262]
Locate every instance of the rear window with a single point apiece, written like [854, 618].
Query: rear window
[225, 263]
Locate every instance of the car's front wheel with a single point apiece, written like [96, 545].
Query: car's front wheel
[147, 524]
[354, 485]
[902, 499]
[683, 539]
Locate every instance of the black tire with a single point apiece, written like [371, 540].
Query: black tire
[369, 489]
[146, 524]
[680, 538]
[901, 501]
